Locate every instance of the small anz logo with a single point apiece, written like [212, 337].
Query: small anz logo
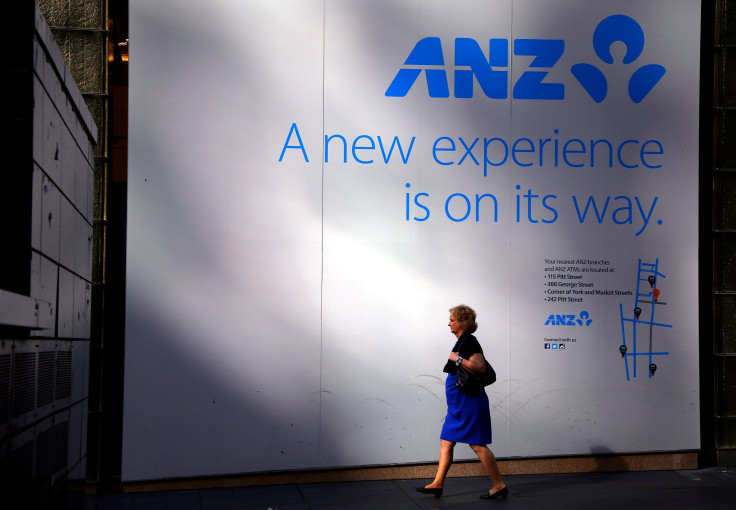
[582, 319]
[492, 73]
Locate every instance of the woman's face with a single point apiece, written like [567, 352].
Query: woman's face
[455, 326]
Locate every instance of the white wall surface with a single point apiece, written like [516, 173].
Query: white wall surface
[287, 301]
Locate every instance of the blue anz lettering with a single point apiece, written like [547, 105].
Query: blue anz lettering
[492, 73]
[569, 320]
[426, 52]
[547, 53]
[493, 83]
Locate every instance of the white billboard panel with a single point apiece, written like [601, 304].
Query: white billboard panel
[312, 185]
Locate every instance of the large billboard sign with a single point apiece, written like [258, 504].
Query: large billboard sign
[312, 184]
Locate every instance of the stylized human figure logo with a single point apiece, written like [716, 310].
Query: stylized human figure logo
[618, 28]
[584, 319]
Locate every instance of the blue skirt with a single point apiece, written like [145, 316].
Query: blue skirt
[468, 418]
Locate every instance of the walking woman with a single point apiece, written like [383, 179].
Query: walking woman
[468, 417]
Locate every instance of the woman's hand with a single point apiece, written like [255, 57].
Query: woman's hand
[475, 363]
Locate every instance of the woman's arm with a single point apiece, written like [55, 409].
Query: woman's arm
[475, 363]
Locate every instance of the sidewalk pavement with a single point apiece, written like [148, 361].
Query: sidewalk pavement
[711, 489]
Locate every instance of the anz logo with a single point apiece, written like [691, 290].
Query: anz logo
[492, 73]
[569, 320]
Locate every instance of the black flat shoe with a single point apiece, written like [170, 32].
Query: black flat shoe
[425, 490]
[503, 493]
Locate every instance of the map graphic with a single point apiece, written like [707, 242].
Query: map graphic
[639, 346]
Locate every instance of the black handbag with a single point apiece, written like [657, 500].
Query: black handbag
[471, 383]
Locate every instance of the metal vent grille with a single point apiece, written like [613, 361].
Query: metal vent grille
[24, 383]
[21, 462]
[45, 389]
[4, 388]
[44, 450]
[63, 374]
[61, 446]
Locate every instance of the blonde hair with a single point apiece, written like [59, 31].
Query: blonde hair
[466, 317]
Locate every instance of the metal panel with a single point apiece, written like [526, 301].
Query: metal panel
[24, 383]
[36, 205]
[68, 234]
[44, 283]
[77, 439]
[60, 442]
[90, 178]
[84, 248]
[44, 453]
[81, 317]
[82, 184]
[46, 376]
[36, 373]
[68, 157]
[63, 388]
[50, 219]
[79, 370]
[5, 368]
[51, 135]
[39, 97]
[17, 310]
[724, 192]
[21, 460]
[725, 260]
[82, 243]
[724, 322]
[65, 309]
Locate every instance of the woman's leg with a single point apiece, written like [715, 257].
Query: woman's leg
[488, 460]
[446, 450]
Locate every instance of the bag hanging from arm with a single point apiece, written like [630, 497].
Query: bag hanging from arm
[470, 382]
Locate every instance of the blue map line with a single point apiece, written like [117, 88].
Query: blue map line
[639, 321]
[650, 270]
[623, 335]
